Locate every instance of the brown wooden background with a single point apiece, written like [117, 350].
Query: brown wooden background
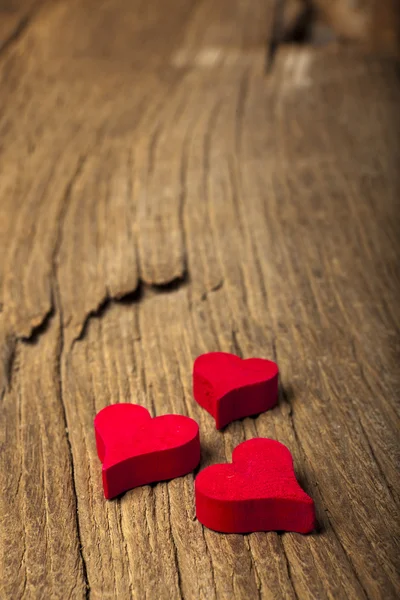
[163, 195]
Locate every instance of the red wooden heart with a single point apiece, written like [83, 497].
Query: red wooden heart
[136, 449]
[230, 388]
[258, 491]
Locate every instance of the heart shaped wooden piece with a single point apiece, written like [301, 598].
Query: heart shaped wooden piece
[258, 491]
[136, 449]
[231, 388]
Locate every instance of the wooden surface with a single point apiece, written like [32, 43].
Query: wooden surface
[163, 193]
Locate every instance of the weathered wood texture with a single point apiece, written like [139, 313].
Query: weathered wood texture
[161, 196]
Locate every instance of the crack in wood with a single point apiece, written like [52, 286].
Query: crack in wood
[240, 111]
[346, 555]
[37, 331]
[235, 344]
[16, 34]
[367, 384]
[8, 352]
[135, 296]
[174, 546]
[213, 289]
[10, 347]
[257, 578]
[59, 358]
[375, 459]
[102, 307]
[182, 199]
[288, 567]
[125, 545]
[22, 563]
[22, 25]
[56, 295]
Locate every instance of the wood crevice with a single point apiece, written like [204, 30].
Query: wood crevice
[182, 202]
[58, 309]
[253, 564]
[368, 442]
[38, 330]
[236, 348]
[214, 288]
[378, 466]
[9, 351]
[23, 24]
[174, 547]
[350, 562]
[213, 581]
[16, 33]
[59, 368]
[22, 564]
[288, 567]
[140, 293]
[121, 529]
[10, 346]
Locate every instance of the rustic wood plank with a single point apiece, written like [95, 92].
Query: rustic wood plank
[232, 223]
[40, 551]
[161, 197]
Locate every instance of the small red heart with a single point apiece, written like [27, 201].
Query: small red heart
[258, 491]
[231, 388]
[136, 449]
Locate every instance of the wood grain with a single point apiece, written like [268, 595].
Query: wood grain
[160, 197]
